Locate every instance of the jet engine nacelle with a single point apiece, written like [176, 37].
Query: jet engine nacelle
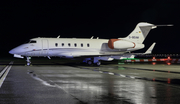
[120, 44]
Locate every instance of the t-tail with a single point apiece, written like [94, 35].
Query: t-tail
[140, 32]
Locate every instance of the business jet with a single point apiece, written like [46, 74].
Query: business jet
[92, 50]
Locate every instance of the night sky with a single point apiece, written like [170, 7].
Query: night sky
[23, 20]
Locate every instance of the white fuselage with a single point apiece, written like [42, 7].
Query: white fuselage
[69, 48]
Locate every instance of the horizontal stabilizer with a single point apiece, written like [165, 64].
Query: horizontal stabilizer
[165, 25]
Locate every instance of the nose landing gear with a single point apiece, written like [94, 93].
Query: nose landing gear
[28, 61]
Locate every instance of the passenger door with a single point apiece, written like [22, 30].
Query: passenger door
[45, 47]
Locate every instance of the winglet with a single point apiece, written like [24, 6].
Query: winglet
[150, 49]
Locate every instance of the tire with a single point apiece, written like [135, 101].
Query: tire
[98, 63]
[28, 64]
[89, 62]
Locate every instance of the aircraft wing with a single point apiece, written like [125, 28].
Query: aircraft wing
[149, 51]
[78, 54]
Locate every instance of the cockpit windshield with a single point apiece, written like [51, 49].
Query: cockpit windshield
[31, 41]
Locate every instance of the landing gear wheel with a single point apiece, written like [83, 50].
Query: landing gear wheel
[89, 62]
[28, 63]
[98, 63]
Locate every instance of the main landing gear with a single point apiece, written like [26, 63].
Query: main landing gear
[28, 61]
[94, 61]
[89, 62]
[98, 63]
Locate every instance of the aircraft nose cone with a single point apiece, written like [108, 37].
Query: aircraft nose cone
[14, 50]
[17, 50]
[11, 51]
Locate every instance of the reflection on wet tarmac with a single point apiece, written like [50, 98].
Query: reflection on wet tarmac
[88, 85]
[112, 84]
[103, 89]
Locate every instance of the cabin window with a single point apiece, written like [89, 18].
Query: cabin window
[56, 44]
[62, 44]
[69, 44]
[75, 44]
[88, 45]
[81, 45]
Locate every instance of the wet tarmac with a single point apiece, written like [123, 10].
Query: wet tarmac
[78, 84]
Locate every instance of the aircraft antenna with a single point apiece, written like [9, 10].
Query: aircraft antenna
[92, 37]
[58, 36]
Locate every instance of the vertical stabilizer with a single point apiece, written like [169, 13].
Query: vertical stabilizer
[140, 32]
